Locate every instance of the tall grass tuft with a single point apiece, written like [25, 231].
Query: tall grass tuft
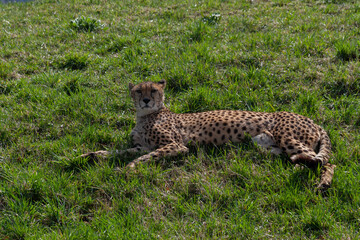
[73, 61]
[86, 24]
[212, 19]
[347, 51]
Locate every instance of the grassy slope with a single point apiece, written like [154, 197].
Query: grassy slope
[63, 92]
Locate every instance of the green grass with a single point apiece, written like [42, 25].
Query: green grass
[64, 71]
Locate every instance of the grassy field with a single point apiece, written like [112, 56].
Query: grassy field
[64, 71]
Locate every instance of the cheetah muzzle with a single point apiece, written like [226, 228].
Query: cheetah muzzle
[159, 132]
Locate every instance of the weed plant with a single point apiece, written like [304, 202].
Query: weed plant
[85, 24]
[63, 92]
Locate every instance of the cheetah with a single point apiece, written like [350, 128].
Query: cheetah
[161, 133]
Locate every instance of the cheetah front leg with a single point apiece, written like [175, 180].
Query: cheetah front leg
[105, 154]
[169, 150]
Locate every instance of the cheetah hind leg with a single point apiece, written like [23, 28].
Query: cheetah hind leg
[327, 171]
[266, 141]
[301, 154]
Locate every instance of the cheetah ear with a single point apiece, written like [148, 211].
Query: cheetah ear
[162, 82]
[131, 86]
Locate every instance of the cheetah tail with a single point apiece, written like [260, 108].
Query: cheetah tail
[324, 148]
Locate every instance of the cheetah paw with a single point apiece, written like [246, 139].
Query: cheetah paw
[95, 154]
[131, 165]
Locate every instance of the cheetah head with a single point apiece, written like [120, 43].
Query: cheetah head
[148, 97]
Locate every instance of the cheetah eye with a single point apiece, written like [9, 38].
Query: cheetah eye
[138, 91]
[153, 90]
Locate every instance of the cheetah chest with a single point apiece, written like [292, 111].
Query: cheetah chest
[155, 131]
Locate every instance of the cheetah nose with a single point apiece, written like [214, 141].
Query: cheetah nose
[146, 100]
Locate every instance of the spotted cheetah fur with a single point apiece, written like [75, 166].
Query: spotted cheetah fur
[160, 132]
